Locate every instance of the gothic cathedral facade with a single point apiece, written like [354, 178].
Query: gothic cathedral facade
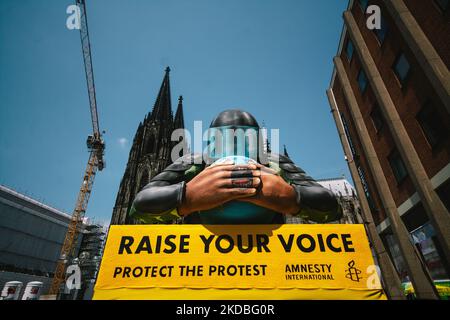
[150, 151]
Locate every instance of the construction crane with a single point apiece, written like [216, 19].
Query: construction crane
[96, 148]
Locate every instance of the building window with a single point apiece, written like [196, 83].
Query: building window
[426, 241]
[349, 138]
[381, 33]
[362, 80]
[366, 188]
[349, 49]
[363, 4]
[396, 256]
[398, 166]
[401, 68]
[377, 118]
[442, 4]
[431, 124]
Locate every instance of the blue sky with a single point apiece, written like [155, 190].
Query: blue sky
[271, 58]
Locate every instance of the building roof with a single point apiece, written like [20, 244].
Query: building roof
[33, 202]
[339, 186]
[22, 202]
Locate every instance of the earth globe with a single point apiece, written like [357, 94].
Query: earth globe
[237, 212]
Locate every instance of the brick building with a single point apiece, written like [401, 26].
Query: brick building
[390, 98]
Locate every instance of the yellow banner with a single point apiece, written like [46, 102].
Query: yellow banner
[238, 262]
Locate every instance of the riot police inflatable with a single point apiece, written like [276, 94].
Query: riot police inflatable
[236, 181]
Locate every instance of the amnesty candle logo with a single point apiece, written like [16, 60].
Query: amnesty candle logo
[353, 273]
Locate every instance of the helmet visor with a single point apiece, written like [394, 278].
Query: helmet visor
[228, 141]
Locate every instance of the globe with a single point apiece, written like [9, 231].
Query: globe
[235, 160]
[237, 212]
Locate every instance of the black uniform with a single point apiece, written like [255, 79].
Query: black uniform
[158, 201]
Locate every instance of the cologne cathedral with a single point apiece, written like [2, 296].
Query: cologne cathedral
[150, 152]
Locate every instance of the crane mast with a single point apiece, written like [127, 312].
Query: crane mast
[96, 163]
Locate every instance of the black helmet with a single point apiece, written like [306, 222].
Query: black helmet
[234, 117]
[233, 133]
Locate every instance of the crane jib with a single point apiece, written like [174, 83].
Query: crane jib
[96, 147]
[86, 48]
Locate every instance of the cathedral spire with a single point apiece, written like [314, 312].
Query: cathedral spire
[285, 152]
[162, 110]
[179, 118]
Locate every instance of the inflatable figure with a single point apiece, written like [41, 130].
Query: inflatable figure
[232, 185]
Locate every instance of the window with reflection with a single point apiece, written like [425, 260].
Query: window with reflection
[364, 4]
[402, 68]
[377, 118]
[432, 125]
[362, 80]
[397, 166]
[442, 4]
[382, 32]
[349, 49]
